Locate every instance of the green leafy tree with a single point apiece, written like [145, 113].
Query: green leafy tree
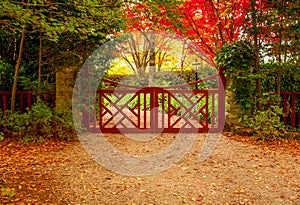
[67, 25]
[275, 29]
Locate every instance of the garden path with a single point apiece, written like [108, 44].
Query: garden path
[239, 171]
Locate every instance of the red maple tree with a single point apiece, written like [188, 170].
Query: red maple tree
[209, 23]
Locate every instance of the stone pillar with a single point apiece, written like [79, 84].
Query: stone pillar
[233, 111]
[64, 87]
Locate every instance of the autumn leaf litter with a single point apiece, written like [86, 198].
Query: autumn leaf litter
[238, 172]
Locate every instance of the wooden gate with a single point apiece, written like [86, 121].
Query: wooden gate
[135, 109]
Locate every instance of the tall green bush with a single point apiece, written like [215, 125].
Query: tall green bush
[38, 123]
[238, 59]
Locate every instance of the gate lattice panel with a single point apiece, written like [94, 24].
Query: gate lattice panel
[153, 110]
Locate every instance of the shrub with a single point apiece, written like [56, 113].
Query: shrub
[39, 123]
[62, 124]
[266, 124]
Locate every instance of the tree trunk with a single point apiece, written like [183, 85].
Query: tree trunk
[152, 58]
[256, 50]
[40, 66]
[279, 61]
[17, 70]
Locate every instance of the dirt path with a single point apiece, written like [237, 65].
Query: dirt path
[236, 173]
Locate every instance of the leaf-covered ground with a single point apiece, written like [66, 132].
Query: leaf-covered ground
[240, 171]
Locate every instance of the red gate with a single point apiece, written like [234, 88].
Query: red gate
[154, 109]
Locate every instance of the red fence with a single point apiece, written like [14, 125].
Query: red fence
[291, 109]
[290, 104]
[25, 99]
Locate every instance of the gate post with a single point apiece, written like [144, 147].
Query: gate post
[221, 99]
[64, 87]
[153, 109]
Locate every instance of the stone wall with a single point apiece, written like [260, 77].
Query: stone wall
[64, 87]
[233, 111]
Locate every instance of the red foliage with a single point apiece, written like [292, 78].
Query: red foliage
[209, 23]
[148, 17]
[212, 23]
